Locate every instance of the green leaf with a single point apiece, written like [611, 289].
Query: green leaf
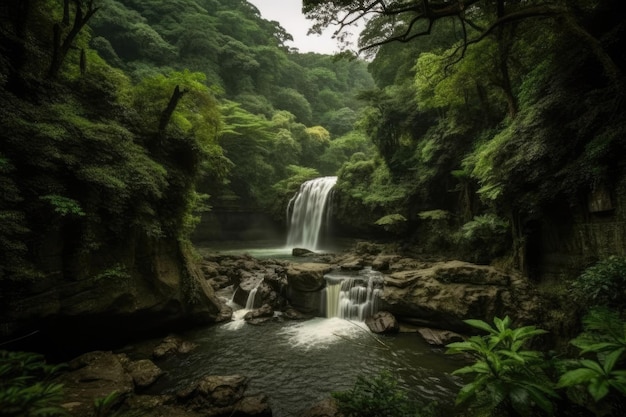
[611, 359]
[479, 324]
[598, 388]
[576, 377]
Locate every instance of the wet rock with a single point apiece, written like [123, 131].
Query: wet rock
[257, 406]
[383, 322]
[216, 395]
[446, 293]
[352, 264]
[304, 282]
[173, 345]
[92, 376]
[439, 337]
[301, 252]
[324, 408]
[144, 372]
[265, 311]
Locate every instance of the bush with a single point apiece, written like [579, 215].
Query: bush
[508, 379]
[25, 386]
[602, 370]
[379, 397]
[603, 284]
[484, 238]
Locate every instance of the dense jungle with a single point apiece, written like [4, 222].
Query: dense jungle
[478, 148]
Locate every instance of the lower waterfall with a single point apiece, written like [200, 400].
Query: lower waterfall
[352, 297]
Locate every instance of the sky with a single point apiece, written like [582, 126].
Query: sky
[289, 14]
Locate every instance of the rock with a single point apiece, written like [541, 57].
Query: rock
[301, 252]
[257, 405]
[383, 262]
[383, 322]
[216, 395]
[173, 345]
[352, 264]
[439, 337]
[304, 282]
[144, 372]
[368, 248]
[265, 310]
[291, 313]
[92, 376]
[446, 293]
[324, 408]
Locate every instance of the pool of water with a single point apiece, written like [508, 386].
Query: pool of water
[297, 364]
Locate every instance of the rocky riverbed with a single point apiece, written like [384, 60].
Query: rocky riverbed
[432, 297]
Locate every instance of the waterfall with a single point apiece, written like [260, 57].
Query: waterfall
[308, 213]
[352, 298]
[251, 295]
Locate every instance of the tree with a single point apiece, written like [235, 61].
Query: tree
[61, 46]
[404, 21]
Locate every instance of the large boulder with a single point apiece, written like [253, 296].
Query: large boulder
[216, 395]
[444, 294]
[92, 376]
[304, 284]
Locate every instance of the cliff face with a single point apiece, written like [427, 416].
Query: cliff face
[571, 238]
[153, 286]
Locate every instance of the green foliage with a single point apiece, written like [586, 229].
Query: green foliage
[379, 396]
[64, 205]
[508, 379]
[392, 222]
[26, 389]
[485, 237]
[434, 215]
[602, 284]
[603, 337]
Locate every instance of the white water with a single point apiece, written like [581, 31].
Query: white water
[308, 213]
[352, 297]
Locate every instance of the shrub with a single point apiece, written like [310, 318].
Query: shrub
[603, 374]
[602, 284]
[25, 386]
[379, 397]
[508, 380]
[484, 238]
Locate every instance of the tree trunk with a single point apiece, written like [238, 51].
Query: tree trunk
[60, 49]
[169, 110]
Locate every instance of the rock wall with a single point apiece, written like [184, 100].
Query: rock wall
[115, 293]
[570, 239]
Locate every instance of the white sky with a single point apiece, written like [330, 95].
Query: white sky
[289, 14]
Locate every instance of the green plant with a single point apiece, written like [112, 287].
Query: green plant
[602, 283]
[379, 396]
[484, 237]
[507, 378]
[604, 336]
[25, 386]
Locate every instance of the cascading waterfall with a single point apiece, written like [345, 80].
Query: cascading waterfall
[308, 212]
[352, 297]
[251, 296]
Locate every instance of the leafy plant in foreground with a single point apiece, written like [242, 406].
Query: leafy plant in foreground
[508, 380]
[25, 387]
[379, 397]
[604, 336]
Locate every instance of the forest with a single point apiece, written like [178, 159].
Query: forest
[489, 131]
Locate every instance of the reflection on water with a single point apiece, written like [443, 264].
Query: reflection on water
[297, 364]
